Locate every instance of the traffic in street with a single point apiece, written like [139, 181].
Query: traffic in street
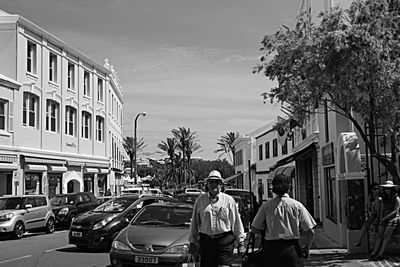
[40, 250]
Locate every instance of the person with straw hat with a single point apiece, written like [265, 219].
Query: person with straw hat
[389, 219]
[215, 225]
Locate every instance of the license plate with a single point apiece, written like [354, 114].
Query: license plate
[145, 259]
[77, 234]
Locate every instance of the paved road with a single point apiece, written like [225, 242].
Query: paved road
[45, 250]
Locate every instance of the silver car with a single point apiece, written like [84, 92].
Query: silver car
[25, 212]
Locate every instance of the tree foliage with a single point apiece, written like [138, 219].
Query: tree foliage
[129, 146]
[351, 59]
[226, 146]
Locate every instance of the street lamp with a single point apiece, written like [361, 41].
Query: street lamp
[135, 142]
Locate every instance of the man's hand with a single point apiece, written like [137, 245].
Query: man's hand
[193, 249]
[241, 248]
[305, 252]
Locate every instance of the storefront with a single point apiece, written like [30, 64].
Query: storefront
[8, 168]
[42, 175]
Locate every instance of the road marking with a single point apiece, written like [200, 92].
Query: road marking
[19, 258]
[54, 249]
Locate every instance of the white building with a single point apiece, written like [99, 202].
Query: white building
[60, 115]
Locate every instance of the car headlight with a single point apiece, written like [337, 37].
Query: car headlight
[6, 217]
[64, 211]
[102, 223]
[119, 245]
[181, 249]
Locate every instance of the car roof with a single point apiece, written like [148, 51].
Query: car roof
[21, 196]
[172, 204]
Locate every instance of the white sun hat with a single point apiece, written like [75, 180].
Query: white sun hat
[215, 175]
[388, 184]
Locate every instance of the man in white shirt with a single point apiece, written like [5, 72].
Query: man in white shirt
[215, 225]
[280, 220]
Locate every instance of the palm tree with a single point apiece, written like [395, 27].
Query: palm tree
[170, 147]
[187, 145]
[129, 146]
[226, 145]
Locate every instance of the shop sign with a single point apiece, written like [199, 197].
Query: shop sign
[44, 161]
[327, 154]
[8, 159]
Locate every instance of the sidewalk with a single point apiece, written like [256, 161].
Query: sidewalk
[326, 252]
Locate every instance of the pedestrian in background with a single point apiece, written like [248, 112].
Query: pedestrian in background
[280, 220]
[215, 225]
[374, 206]
[389, 219]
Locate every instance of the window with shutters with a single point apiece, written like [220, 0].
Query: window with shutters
[52, 115]
[53, 67]
[30, 110]
[86, 125]
[31, 57]
[3, 114]
[99, 128]
[86, 84]
[70, 121]
[71, 76]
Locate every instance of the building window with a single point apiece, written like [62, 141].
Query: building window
[30, 110]
[31, 57]
[331, 194]
[86, 83]
[239, 157]
[52, 115]
[267, 150]
[3, 114]
[99, 128]
[285, 148]
[274, 148]
[70, 121]
[260, 152]
[100, 90]
[53, 67]
[71, 76]
[86, 125]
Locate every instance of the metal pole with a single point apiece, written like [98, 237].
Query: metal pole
[135, 143]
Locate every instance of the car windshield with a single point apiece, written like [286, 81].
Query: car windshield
[63, 200]
[115, 205]
[162, 215]
[14, 203]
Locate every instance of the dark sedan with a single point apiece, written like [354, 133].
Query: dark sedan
[97, 228]
[187, 198]
[66, 207]
[158, 235]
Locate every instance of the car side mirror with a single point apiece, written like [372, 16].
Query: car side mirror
[28, 206]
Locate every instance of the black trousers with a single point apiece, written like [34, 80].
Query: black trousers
[216, 251]
[282, 253]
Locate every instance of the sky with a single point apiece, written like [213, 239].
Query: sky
[186, 63]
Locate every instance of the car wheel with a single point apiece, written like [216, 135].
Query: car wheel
[19, 230]
[50, 225]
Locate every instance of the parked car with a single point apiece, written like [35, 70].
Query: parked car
[25, 212]
[97, 228]
[101, 200]
[194, 191]
[67, 207]
[249, 201]
[244, 213]
[158, 235]
[187, 198]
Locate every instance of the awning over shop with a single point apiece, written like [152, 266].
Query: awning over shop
[91, 170]
[57, 169]
[8, 166]
[35, 168]
[233, 177]
[294, 156]
[104, 171]
[286, 170]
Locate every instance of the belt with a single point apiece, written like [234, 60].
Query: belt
[216, 236]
